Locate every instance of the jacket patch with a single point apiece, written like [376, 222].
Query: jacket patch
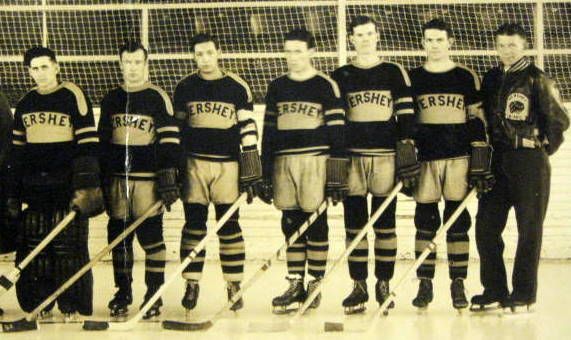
[517, 107]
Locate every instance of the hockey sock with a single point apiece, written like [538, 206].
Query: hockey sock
[232, 249]
[317, 246]
[457, 241]
[193, 232]
[427, 221]
[150, 235]
[355, 213]
[296, 253]
[385, 240]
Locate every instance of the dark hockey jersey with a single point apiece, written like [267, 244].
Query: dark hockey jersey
[138, 132]
[446, 127]
[378, 106]
[218, 116]
[303, 117]
[50, 130]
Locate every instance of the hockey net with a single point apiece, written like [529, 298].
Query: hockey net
[87, 33]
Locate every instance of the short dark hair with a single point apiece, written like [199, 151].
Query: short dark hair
[511, 28]
[132, 46]
[36, 52]
[361, 20]
[202, 38]
[437, 24]
[301, 34]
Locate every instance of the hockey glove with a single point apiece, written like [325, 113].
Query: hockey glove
[265, 191]
[407, 165]
[250, 173]
[167, 186]
[480, 175]
[88, 202]
[336, 179]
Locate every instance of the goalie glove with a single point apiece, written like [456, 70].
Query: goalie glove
[407, 165]
[87, 197]
[250, 174]
[336, 186]
[167, 186]
[480, 174]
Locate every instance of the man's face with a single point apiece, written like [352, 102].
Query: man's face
[44, 72]
[133, 66]
[436, 43]
[206, 56]
[365, 38]
[298, 56]
[510, 48]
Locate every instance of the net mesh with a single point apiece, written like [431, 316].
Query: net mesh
[87, 33]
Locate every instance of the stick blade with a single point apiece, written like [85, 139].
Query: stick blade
[21, 325]
[89, 325]
[187, 326]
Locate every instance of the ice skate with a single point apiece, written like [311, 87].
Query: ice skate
[46, 316]
[119, 305]
[487, 302]
[382, 293]
[458, 294]
[232, 288]
[292, 298]
[355, 302]
[518, 305]
[190, 297]
[425, 295]
[311, 286]
[71, 317]
[155, 309]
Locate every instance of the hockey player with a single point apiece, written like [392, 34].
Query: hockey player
[380, 119]
[140, 142]
[222, 159]
[7, 227]
[53, 169]
[526, 123]
[454, 155]
[304, 160]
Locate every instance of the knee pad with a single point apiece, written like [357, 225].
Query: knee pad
[355, 212]
[195, 216]
[114, 228]
[426, 217]
[231, 226]
[290, 222]
[319, 230]
[387, 218]
[150, 232]
[462, 223]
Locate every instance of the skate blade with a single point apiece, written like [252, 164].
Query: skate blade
[519, 310]
[151, 319]
[357, 310]
[497, 307]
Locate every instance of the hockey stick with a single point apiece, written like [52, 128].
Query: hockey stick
[374, 217]
[130, 324]
[373, 319]
[8, 280]
[29, 322]
[204, 325]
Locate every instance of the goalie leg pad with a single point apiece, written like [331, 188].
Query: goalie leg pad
[36, 282]
[193, 232]
[70, 253]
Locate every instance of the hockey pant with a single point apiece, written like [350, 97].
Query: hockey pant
[62, 258]
[232, 249]
[356, 216]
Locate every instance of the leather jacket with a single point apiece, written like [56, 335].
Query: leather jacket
[523, 108]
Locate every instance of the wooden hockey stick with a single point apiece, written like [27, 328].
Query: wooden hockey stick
[29, 322]
[276, 327]
[130, 324]
[8, 280]
[204, 325]
[374, 318]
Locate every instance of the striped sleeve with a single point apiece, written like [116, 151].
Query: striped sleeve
[403, 104]
[334, 117]
[168, 130]
[245, 113]
[85, 132]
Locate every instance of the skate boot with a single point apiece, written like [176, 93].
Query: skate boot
[459, 300]
[155, 309]
[425, 295]
[190, 295]
[355, 302]
[46, 316]
[519, 305]
[488, 301]
[118, 306]
[292, 298]
[232, 288]
[382, 293]
[311, 286]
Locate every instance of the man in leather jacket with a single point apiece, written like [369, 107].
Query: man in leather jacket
[526, 123]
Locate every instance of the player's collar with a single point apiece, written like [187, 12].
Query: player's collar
[518, 65]
[141, 87]
[52, 90]
[366, 67]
